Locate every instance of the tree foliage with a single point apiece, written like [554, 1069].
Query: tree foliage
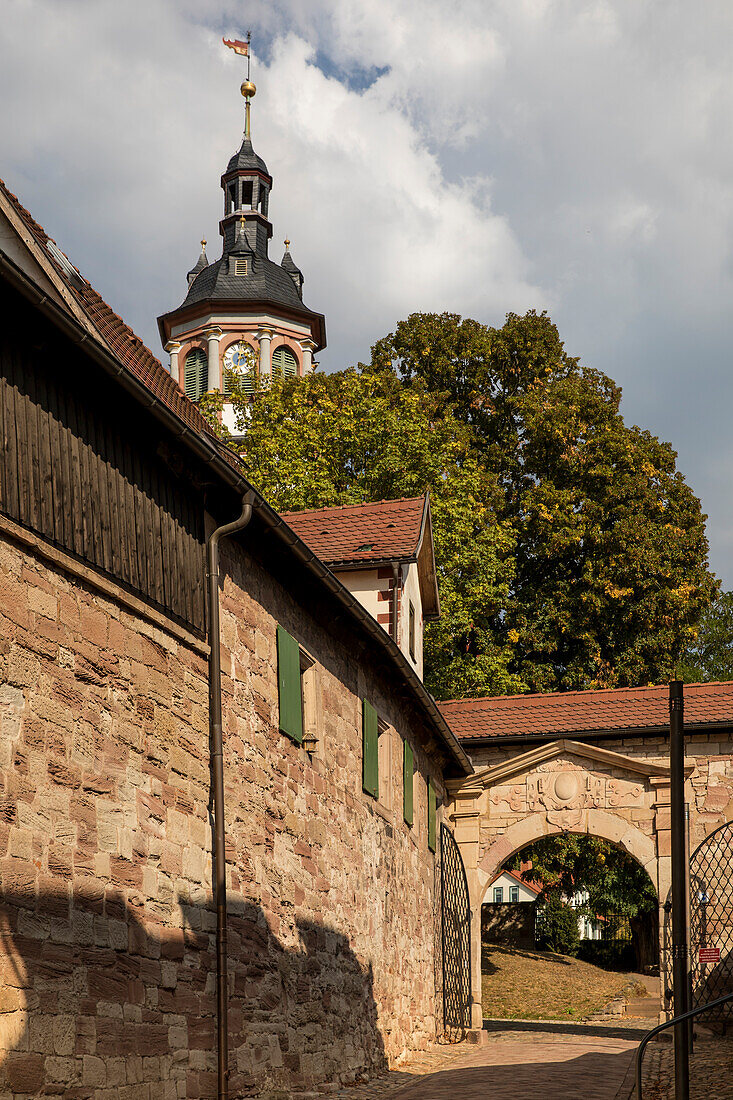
[710, 657]
[568, 862]
[349, 437]
[571, 552]
[611, 557]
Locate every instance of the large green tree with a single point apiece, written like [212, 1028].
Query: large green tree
[349, 437]
[611, 570]
[710, 657]
[571, 552]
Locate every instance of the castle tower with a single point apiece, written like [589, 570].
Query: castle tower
[243, 305]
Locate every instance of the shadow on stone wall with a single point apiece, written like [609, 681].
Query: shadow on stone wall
[98, 997]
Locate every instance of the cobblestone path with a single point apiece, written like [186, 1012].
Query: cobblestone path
[711, 1072]
[531, 1065]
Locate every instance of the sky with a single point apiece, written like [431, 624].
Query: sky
[479, 157]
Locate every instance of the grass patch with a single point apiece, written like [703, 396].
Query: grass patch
[520, 984]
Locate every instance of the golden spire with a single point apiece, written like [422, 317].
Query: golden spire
[247, 89]
[203, 243]
[287, 243]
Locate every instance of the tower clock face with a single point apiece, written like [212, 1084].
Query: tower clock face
[237, 357]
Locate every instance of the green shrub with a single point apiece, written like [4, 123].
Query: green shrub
[557, 928]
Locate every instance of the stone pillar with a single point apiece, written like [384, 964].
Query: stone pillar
[264, 337]
[213, 382]
[308, 348]
[173, 347]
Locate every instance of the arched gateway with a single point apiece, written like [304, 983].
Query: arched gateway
[562, 786]
[585, 762]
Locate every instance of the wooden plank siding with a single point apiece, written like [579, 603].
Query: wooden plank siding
[91, 471]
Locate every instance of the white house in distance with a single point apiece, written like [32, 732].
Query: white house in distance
[509, 887]
[383, 553]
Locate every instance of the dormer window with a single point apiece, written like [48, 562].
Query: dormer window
[240, 266]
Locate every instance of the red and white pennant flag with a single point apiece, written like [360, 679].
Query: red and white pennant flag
[238, 47]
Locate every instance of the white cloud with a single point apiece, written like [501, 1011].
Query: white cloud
[572, 154]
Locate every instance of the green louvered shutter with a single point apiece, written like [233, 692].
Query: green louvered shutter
[408, 771]
[432, 804]
[288, 682]
[370, 760]
[195, 374]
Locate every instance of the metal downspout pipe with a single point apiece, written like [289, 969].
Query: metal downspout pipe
[217, 782]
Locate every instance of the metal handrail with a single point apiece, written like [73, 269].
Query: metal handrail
[671, 1023]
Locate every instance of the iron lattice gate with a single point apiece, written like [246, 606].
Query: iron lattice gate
[711, 926]
[711, 922]
[456, 926]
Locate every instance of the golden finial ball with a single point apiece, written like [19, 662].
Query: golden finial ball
[248, 89]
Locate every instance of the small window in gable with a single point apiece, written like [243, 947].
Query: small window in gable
[499, 894]
[513, 893]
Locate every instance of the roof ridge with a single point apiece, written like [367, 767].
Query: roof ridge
[362, 504]
[122, 340]
[582, 692]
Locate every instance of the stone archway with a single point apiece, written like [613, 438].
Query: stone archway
[563, 786]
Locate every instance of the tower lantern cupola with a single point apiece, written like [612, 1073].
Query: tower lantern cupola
[242, 308]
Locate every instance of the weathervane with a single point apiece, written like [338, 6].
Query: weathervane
[247, 89]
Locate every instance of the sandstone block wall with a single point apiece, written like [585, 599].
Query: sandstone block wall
[107, 964]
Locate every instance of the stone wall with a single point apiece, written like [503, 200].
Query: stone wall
[509, 922]
[107, 964]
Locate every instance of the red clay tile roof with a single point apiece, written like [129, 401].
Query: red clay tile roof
[119, 337]
[517, 878]
[572, 712]
[383, 531]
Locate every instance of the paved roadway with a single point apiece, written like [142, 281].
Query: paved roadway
[533, 1066]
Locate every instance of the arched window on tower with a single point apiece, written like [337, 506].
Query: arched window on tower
[284, 363]
[195, 373]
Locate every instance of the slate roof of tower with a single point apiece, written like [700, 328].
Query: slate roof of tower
[390, 528]
[264, 281]
[571, 713]
[246, 158]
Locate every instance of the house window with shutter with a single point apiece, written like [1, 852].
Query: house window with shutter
[298, 694]
[412, 630]
[432, 813]
[513, 893]
[498, 894]
[195, 373]
[408, 783]
[370, 749]
[384, 762]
